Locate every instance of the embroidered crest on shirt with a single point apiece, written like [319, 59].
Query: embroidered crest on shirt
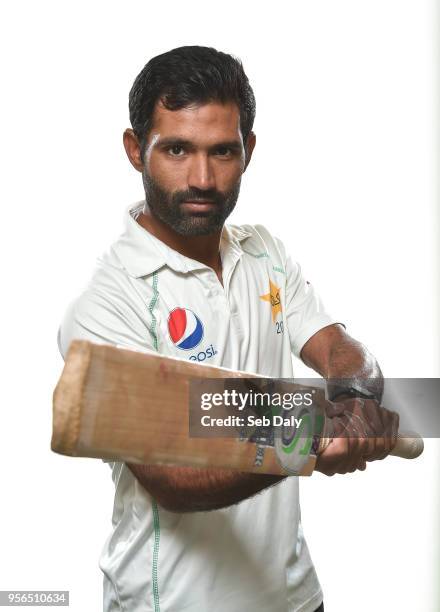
[274, 298]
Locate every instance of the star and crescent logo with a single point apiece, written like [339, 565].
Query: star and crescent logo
[274, 298]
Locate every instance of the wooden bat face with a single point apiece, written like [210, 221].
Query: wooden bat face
[124, 405]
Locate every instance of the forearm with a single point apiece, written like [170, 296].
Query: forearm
[184, 489]
[352, 365]
[335, 354]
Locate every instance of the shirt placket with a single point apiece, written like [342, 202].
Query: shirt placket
[230, 261]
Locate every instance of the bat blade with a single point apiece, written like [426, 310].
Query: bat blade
[119, 404]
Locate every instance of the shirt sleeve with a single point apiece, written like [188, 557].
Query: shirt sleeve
[305, 312]
[103, 319]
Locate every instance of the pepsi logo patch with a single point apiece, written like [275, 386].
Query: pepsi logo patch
[185, 328]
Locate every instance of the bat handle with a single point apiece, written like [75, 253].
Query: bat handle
[409, 445]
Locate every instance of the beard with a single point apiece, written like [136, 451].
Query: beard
[167, 206]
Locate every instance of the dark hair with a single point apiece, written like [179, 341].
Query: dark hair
[190, 75]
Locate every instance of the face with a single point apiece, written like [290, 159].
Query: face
[193, 162]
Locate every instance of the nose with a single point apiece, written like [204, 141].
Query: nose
[201, 174]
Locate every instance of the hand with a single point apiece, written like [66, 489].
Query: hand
[362, 431]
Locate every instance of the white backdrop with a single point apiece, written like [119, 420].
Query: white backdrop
[345, 172]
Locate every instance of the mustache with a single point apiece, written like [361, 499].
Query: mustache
[194, 194]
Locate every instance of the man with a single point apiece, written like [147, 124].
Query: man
[181, 282]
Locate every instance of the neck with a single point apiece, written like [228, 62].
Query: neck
[205, 249]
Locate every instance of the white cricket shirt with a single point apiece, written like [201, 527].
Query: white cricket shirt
[144, 295]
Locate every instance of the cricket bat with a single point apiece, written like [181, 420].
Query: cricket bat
[124, 405]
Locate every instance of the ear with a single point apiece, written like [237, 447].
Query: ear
[250, 145]
[133, 149]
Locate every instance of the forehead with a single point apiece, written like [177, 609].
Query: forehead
[212, 121]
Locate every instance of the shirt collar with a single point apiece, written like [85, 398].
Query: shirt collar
[141, 253]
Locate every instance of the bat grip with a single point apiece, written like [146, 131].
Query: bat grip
[409, 445]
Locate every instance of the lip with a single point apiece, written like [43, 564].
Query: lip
[199, 205]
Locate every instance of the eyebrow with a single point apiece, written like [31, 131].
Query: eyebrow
[165, 143]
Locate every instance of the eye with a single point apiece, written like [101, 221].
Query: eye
[223, 151]
[176, 150]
